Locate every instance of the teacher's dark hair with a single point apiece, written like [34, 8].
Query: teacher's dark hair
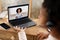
[19, 9]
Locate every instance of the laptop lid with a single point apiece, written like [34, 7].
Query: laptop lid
[18, 12]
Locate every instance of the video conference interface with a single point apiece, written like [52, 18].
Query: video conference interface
[18, 12]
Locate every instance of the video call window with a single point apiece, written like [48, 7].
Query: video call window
[18, 12]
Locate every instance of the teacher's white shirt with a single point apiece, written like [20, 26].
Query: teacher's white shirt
[19, 15]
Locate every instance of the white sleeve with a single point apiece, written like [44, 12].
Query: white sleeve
[22, 35]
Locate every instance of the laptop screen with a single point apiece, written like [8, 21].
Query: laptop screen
[18, 12]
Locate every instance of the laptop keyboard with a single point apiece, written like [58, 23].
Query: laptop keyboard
[28, 24]
[26, 20]
[23, 21]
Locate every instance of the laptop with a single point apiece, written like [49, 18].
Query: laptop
[19, 16]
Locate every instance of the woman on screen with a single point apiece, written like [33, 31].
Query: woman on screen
[19, 14]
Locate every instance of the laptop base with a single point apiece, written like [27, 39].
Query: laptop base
[28, 24]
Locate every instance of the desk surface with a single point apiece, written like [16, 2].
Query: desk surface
[32, 30]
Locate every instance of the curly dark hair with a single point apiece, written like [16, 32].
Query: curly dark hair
[19, 9]
[53, 9]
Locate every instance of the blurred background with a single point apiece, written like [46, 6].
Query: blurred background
[35, 6]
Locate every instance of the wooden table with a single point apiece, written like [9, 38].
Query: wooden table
[31, 32]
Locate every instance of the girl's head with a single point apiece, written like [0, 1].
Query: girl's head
[53, 8]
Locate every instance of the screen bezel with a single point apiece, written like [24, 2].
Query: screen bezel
[18, 6]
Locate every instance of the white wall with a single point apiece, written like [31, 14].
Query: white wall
[36, 5]
[6, 3]
[24, 1]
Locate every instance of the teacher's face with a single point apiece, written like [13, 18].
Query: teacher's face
[19, 11]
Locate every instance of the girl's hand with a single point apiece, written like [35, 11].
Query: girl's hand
[17, 29]
[42, 36]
